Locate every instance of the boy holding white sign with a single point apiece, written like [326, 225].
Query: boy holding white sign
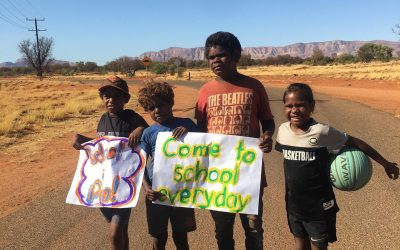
[120, 122]
[234, 104]
[157, 99]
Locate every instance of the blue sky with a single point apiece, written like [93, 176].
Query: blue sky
[102, 30]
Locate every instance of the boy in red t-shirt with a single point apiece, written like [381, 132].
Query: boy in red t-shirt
[234, 104]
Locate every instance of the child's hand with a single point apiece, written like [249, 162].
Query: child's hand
[266, 143]
[391, 170]
[134, 137]
[152, 195]
[76, 142]
[179, 132]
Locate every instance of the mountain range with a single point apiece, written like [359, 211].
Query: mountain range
[302, 50]
[22, 62]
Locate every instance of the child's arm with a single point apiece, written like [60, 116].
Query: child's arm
[268, 128]
[140, 124]
[200, 115]
[202, 124]
[391, 168]
[134, 137]
[150, 193]
[78, 140]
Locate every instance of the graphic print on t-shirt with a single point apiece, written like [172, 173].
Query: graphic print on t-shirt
[309, 193]
[230, 113]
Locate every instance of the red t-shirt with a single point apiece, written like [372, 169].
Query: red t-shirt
[234, 109]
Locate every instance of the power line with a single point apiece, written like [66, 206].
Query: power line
[27, 10]
[12, 22]
[34, 7]
[15, 7]
[21, 21]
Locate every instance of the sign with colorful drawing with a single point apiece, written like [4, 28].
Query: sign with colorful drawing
[109, 174]
[208, 171]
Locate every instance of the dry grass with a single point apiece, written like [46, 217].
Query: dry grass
[358, 71]
[25, 109]
[35, 111]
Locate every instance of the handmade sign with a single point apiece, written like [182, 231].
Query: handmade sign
[208, 171]
[109, 174]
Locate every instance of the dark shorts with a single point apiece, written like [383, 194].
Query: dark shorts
[182, 219]
[320, 233]
[116, 215]
[252, 225]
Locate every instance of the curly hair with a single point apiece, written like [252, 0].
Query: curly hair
[226, 40]
[303, 88]
[153, 92]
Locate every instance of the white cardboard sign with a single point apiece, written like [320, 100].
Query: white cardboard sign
[208, 171]
[109, 174]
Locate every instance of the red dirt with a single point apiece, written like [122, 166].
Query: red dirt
[23, 183]
[378, 94]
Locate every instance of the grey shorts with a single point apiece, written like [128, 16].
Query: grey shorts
[320, 232]
[182, 219]
[116, 215]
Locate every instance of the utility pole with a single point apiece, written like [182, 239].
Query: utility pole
[39, 62]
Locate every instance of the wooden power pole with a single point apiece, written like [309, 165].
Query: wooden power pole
[39, 59]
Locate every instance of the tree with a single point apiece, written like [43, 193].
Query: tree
[62, 69]
[383, 53]
[171, 69]
[369, 52]
[90, 66]
[366, 52]
[125, 65]
[38, 55]
[345, 58]
[177, 61]
[245, 60]
[80, 66]
[159, 68]
[318, 58]
[279, 60]
[396, 29]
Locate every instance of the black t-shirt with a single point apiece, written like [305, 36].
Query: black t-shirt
[120, 124]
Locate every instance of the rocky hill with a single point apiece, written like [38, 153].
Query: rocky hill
[302, 50]
[24, 63]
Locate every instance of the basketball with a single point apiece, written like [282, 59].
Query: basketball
[350, 169]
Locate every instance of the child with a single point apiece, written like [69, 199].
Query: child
[310, 201]
[157, 99]
[121, 122]
[234, 104]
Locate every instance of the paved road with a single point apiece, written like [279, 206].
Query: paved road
[369, 218]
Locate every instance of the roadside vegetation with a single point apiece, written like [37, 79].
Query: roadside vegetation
[354, 71]
[67, 101]
[34, 113]
[42, 110]
[178, 67]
